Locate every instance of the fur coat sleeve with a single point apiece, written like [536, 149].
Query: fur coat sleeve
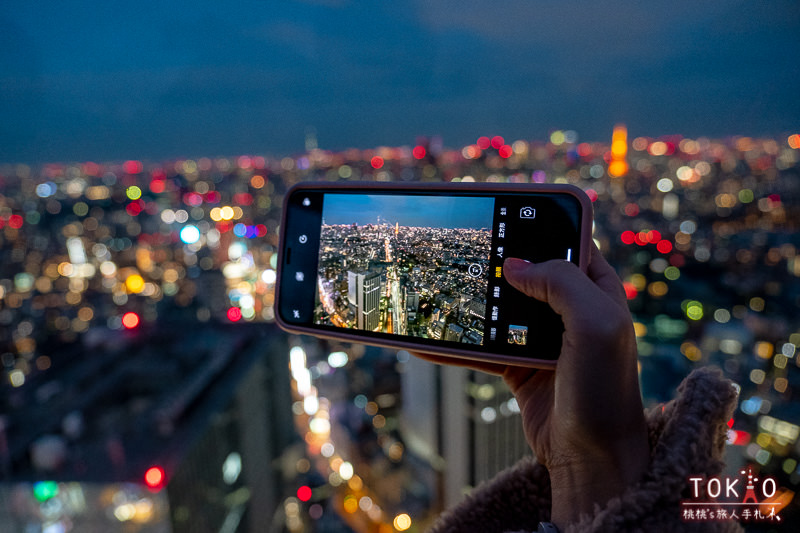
[687, 439]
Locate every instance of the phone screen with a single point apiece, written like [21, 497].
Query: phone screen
[425, 267]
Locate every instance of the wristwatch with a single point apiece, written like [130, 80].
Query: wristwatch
[547, 527]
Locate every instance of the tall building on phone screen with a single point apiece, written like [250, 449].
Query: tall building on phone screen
[365, 289]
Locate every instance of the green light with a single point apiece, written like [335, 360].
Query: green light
[746, 196]
[44, 490]
[694, 310]
[557, 137]
[672, 273]
[133, 192]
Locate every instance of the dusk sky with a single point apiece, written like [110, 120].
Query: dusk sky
[409, 211]
[150, 80]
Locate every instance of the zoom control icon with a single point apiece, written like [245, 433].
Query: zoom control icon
[527, 212]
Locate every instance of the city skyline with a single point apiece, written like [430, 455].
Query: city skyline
[96, 258]
[410, 211]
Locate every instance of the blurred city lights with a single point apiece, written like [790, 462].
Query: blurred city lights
[190, 234]
[130, 320]
[699, 229]
[304, 493]
[154, 477]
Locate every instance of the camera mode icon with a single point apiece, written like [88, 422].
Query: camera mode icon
[527, 212]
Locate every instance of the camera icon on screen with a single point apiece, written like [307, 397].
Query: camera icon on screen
[527, 212]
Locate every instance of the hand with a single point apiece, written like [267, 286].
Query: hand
[584, 421]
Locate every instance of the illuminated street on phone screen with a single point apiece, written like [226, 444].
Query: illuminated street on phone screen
[147, 388]
[426, 282]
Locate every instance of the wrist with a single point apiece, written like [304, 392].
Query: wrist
[578, 487]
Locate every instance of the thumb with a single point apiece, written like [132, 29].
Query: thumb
[559, 283]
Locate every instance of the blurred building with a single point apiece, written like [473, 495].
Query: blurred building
[464, 424]
[171, 428]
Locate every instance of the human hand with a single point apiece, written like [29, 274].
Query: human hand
[585, 420]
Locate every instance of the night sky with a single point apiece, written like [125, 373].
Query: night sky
[149, 80]
[410, 211]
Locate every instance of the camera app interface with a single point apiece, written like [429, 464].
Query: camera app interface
[405, 265]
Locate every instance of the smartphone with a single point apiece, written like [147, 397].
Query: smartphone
[419, 266]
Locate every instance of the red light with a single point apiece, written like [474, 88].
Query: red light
[130, 320]
[304, 493]
[631, 210]
[641, 238]
[91, 169]
[653, 236]
[497, 141]
[592, 194]
[243, 198]
[419, 152]
[730, 423]
[234, 314]
[261, 230]
[628, 237]
[664, 247]
[584, 150]
[132, 167]
[15, 221]
[483, 143]
[193, 199]
[505, 151]
[154, 477]
[630, 290]
[135, 207]
[738, 437]
[376, 162]
[157, 186]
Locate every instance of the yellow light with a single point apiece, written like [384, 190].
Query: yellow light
[691, 351]
[402, 522]
[350, 504]
[794, 141]
[639, 329]
[694, 310]
[557, 137]
[226, 212]
[764, 349]
[355, 483]
[618, 169]
[134, 283]
[133, 192]
[216, 214]
[657, 289]
[658, 148]
[619, 148]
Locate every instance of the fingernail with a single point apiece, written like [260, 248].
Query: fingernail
[513, 264]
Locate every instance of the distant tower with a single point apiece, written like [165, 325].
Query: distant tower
[618, 166]
[311, 139]
[396, 228]
[750, 493]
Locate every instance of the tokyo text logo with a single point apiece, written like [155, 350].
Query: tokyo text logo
[747, 498]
